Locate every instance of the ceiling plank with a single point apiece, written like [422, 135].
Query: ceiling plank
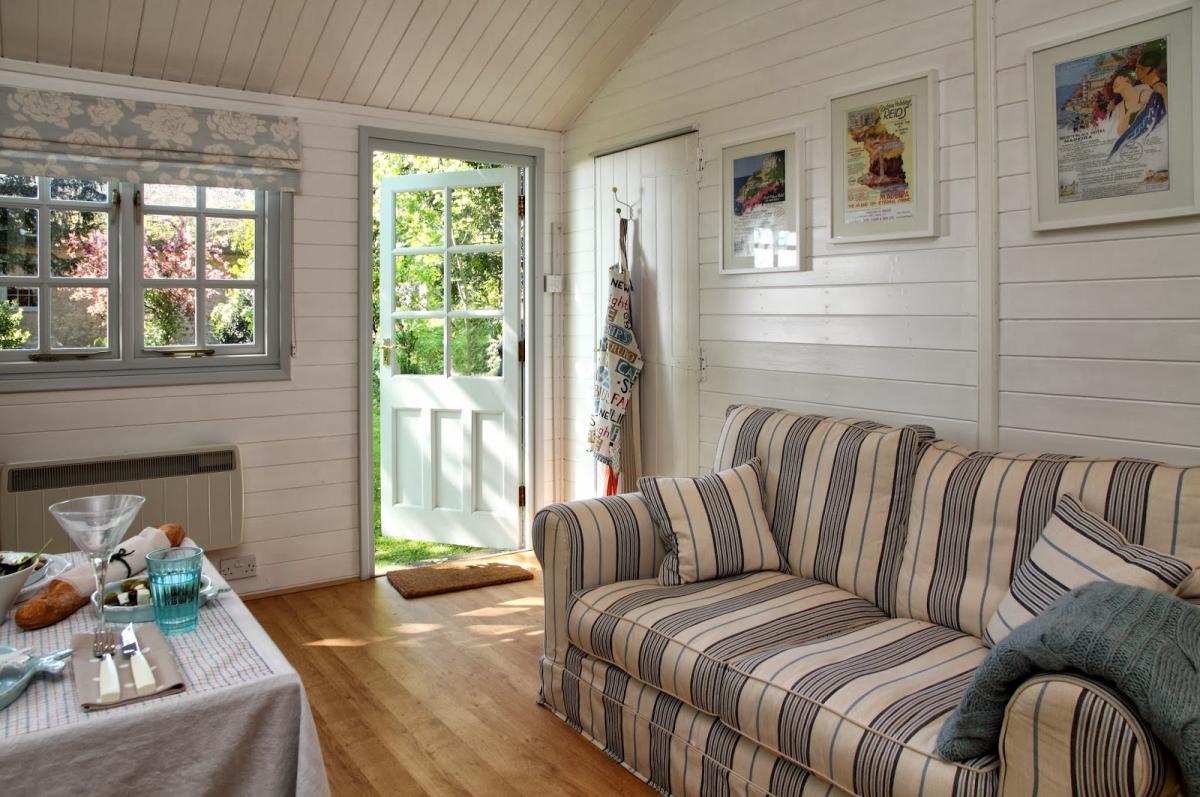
[420, 29]
[332, 41]
[19, 29]
[87, 34]
[158, 20]
[120, 41]
[273, 43]
[190, 20]
[243, 47]
[430, 54]
[305, 40]
[382, 46]
[444, 99]
[54, 37]
[502, 58]
[214, 44]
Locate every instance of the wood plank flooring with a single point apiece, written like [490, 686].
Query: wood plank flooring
[434, 696]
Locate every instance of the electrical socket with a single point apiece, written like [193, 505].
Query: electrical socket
[238, 567]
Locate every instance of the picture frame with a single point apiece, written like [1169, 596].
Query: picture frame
[1108, 141]
[762, 204]
[883, 161]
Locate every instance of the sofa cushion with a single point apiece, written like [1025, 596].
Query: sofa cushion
[1078, 547]
[837, 492]
[863, 709]
[713, 525]
[679, 638]
[976, 516]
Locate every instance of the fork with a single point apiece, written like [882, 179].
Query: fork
[103, 641]
[104, 645]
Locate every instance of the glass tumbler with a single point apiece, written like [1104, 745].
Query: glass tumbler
[175, 587]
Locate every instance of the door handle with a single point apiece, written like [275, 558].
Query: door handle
[385, 351]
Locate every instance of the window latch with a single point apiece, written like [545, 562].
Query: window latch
[60, 356]
[116, 200]
[181, 353]
[137, 206]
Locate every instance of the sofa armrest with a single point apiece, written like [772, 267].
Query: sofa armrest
[1071, 736]
[582, 544]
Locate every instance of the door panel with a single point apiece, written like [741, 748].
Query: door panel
[449, 376]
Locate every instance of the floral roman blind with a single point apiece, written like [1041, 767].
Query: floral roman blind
[56, 134]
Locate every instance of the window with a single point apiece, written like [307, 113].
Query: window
[167, 283]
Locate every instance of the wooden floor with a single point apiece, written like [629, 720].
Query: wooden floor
[436, 695]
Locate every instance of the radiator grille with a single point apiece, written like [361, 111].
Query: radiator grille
[54, 477]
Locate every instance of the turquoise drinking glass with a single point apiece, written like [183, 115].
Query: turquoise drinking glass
[175, 587]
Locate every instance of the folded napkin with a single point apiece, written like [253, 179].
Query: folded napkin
[154, 648]
[128, 561]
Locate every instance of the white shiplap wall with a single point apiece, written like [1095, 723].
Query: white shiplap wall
[1099, 327]
[883, 330]
[299, 438]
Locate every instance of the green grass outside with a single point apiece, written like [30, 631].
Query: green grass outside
[392, 551]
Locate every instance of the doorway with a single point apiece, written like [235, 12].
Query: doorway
[445, 355]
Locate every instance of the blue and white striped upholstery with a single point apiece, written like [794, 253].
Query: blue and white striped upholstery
[680, 638]
[837, 492]
[1067, 736]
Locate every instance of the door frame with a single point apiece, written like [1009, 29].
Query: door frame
[533, 159]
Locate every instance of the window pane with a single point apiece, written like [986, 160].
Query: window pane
[475, 281]
[18, 185]
[177, 196]
[78, 190]
[229, 198]
[78, 243]
[229, 249]
[230, 316]
[477, 215]
[419, 346]
[170, 316]
[170, 247]
[18, 318]
[419, 281]
[18, 242]
[475, 345]
[421, 218]
[79, 318]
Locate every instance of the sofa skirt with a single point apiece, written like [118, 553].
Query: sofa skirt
[673, 747]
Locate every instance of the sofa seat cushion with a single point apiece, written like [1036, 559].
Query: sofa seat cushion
[863, 708]
[679, 638]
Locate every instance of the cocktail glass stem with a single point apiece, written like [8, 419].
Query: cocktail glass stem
[100, 573]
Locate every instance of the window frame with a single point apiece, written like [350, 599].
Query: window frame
[131, 364]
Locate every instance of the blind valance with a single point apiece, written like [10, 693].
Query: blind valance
[58, 134]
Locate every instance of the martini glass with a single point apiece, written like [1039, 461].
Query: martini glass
[96, 524]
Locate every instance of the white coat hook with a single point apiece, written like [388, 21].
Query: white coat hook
[618, 201]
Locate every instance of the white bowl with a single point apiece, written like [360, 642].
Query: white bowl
[10, 585]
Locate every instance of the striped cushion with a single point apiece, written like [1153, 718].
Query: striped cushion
[713, 525]
[837, 492]
[679, 638]
[863, 709]
[1077, 548]
[976, 516]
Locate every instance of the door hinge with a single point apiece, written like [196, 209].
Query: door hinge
[521, 207]
[521, 496]
[520, 351]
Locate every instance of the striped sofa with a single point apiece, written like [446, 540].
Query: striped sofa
[836, 678]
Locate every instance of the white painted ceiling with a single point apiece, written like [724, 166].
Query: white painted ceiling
[534, 63]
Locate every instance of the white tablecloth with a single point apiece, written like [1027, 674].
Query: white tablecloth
[242, 726]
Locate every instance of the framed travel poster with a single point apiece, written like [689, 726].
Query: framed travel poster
[762, 203]
[883, 162]
[1109, 142]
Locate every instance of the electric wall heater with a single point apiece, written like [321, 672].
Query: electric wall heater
[200, 489]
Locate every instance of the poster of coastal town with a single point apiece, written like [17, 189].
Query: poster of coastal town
[1112, 123]
[877, 144]
[759, 202]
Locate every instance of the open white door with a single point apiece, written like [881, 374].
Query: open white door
[449, 374]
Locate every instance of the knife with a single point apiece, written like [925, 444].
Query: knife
[143, 676]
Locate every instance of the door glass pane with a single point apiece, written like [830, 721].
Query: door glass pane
[78, 190]
[476, 281]
[176, 196]
[18, 317]
[477, 215]
[170, 247]
[475, 346]
[421, 218]
[79, 318]
[229, 198]
[229, 249]
[18, 185]
[18, 242]
[420, 348]
[230, 316]
[78, 244]
[419, 282]
[170, 316]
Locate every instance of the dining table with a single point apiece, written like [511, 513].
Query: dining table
[241, 726]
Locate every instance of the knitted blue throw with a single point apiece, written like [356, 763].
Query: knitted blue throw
[1145, 644]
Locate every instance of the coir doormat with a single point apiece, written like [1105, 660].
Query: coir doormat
[418, 582]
